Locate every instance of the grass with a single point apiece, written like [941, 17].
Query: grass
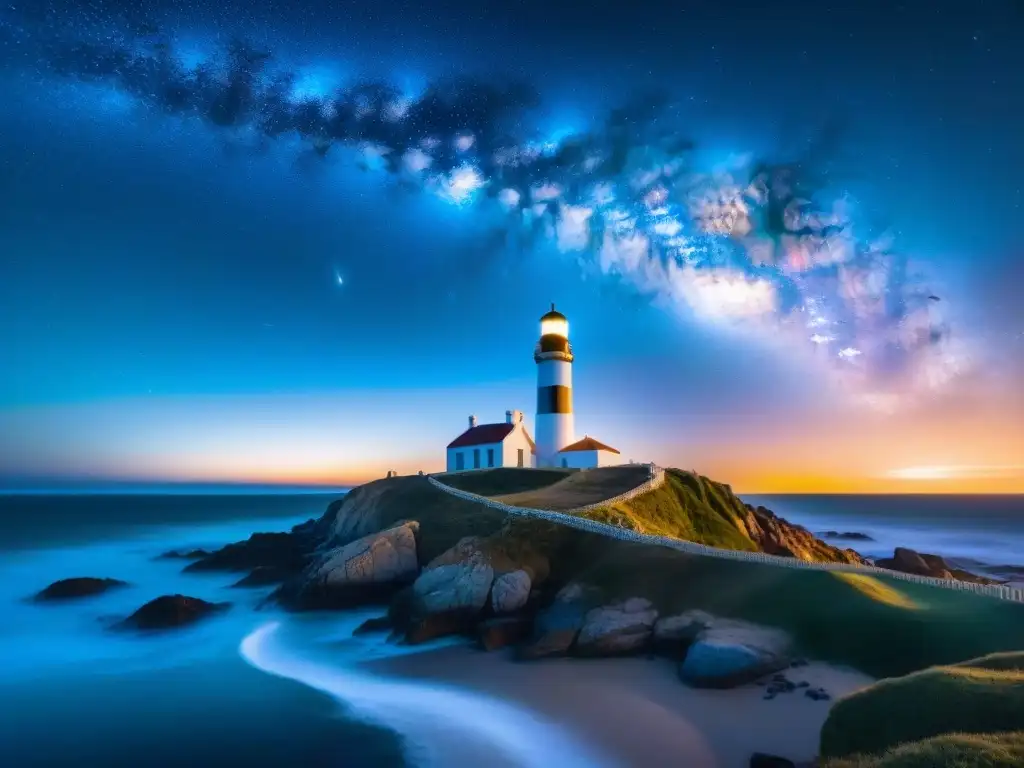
[877, 590]
[1001, 750]
[881, 626]
[443, 518]
[505, 480]
[980, 696]
[580, 489]
[684, 508]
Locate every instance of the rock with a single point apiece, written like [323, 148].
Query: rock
[184, 554]
[761, 760]
[435, 625]
[731, 653]
[171, 611]
[385, 557]
[511, 591]
[376, 624]
[555, 628]
[262, 576]
[776, 536]
[288, 551]
[905, 561]
[908, 561]
[458, 580]
[674, 634]
[76, 587]
[847, 535]
[366, 571]
[503, 631]
[817, 694]
[620, 628]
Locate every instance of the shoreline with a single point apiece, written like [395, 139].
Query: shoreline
[635, 710]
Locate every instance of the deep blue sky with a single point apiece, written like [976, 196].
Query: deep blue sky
[169, 302]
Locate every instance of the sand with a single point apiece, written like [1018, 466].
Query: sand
[636, 711]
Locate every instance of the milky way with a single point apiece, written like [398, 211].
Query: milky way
[758, 248]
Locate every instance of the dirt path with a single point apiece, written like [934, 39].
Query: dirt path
[581, 488]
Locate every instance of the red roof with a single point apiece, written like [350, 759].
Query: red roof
[588, 444]
[484, 434]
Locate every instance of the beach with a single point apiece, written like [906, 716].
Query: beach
[635, 711]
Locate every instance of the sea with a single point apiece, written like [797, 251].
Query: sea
[256, 687]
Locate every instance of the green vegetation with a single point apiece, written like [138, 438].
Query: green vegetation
[686, 507]
[980, 696]
[506, 480]
[443, 518]
[880, 626]
[1003, 750]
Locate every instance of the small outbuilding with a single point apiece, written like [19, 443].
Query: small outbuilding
[588, 453]
[483, 446]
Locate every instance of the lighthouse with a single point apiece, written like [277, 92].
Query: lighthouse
[553, 355]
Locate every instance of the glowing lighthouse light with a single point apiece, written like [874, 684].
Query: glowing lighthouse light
[554, 326]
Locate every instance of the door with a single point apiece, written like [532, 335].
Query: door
[476, 458]
[522, 456]
[490, 457]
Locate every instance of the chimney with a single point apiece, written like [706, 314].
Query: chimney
[472, 421]
[508, 417]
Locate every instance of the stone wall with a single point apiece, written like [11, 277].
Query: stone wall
[657, 477]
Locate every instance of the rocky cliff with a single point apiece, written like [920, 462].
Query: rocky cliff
[444, 565]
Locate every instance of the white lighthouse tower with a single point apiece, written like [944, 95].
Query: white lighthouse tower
[553, 356]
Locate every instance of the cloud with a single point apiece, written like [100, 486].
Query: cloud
[957, 472]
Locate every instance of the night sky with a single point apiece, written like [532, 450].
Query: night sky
[246, 242]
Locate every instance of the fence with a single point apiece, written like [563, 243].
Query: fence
[572, 520]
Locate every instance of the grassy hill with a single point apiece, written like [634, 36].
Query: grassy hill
[879, 625]
[969, 714]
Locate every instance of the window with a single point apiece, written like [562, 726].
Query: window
[565, 463]
[476, 458]
[490, 457]
[460, 461]
[522, 453]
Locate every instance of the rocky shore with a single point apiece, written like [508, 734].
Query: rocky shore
[530, 589]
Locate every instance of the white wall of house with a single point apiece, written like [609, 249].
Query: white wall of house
[589, 459]
[514, 443]
[475, 456]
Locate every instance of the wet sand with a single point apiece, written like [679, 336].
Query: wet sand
[637, 712]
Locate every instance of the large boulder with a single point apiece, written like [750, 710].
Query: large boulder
[620, 628]
[288, 551]
[673, 635]
[171, 611]
[385, 557]
[730, 653]
[457, 580]
[511, 591]
[76, 587]
[908, 561]
[364, 571]
[556, 627]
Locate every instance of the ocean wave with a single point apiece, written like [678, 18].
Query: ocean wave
[440, 725]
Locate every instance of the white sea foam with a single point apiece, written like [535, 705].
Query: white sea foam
[441, 725]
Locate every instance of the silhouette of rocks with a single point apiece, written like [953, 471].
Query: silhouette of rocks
[171, 611]
[77, 587]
